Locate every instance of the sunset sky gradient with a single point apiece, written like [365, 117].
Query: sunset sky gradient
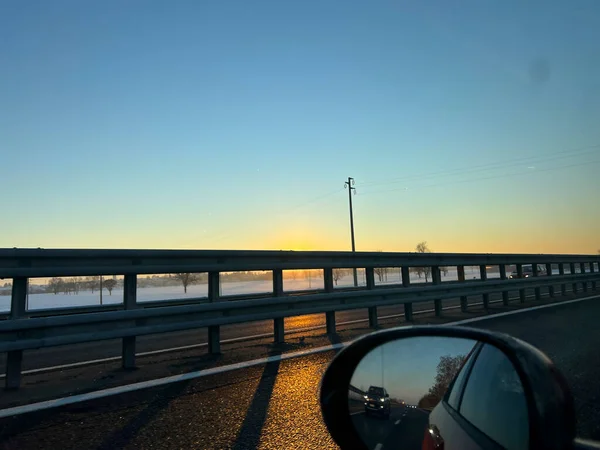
[471, 124]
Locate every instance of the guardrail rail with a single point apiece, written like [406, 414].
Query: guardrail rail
[24, 329]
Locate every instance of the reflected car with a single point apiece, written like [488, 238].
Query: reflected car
[377, 401]
[528, 271]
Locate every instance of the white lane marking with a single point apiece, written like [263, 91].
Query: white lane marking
[397, 422]
[242, 365]
[378, 446]
[517, 311]
[233, 340]
[355, 413]
[162, 381]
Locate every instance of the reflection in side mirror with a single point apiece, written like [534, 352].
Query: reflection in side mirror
[414, 393]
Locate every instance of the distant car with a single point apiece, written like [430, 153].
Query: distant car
[377, 401]
[528, 271]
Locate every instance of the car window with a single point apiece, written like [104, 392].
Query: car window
[376, 391]
[494, 401]
[453, 394]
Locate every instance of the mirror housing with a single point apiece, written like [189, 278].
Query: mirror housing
[552, 420]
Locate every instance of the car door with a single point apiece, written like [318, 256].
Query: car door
[484, 408]
[443, 431]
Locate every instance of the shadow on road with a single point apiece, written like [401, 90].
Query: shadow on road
[123, 436]
[249, 434]
[334, 338]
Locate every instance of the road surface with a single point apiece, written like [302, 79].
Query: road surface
[56, 356]
[275, 406]
[404, 429]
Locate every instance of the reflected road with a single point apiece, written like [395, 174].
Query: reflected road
[404, 429]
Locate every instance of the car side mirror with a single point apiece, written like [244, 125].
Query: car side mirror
[516, 397]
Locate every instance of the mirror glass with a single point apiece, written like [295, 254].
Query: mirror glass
[432, 392]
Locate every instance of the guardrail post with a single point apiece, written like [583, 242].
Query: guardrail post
[370, 276]
[278, 322]
[592, 270]
[585, 283]
[436, 278]
[464, 304]
[522, 292]
[536, 273]
[549, 274]
[214, 331]
[574, 287]
[503, 276]
[408, 311]
[329, 315]
[561, 272]
[14, 358]
[129, 302]
[484, 277]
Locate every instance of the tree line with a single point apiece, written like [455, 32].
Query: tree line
[447, 369]
[74, 285]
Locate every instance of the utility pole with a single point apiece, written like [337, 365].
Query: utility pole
[348, 184]
[382, 367]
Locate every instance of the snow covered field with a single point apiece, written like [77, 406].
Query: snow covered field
[86, 298]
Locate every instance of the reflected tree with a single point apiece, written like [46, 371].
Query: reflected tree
[447, 369]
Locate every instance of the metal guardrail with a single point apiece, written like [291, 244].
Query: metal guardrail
[26, 330]
[50, 263]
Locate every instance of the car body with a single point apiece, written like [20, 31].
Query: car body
[377, 401]
[528, 271]
[457, 421]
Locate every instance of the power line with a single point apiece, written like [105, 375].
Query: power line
[529, 172]
[314, 200]
[490, 166]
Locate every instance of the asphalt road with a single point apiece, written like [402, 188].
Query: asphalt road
[56, 356]
[275, 406]
[404, 429]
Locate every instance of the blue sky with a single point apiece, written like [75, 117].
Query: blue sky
[409, 365]
[234, 124]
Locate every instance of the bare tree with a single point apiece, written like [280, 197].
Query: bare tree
[423, 271]
[67, 287]
[422, 247]
[110, 284]
[74, 284]
[308, 276]
[338, 274]
[186, 279]
[55, 284]
[381, 273]
[93, 283]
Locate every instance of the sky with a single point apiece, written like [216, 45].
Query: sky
[409, 365]
[469, 124]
